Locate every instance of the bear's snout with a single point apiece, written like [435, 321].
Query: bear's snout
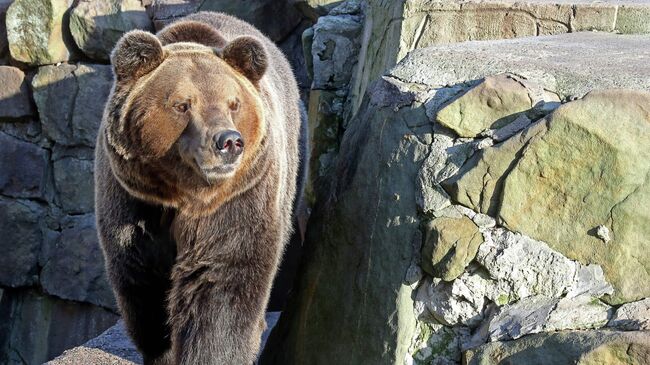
[229, 141]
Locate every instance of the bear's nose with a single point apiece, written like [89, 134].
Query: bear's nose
[229, 141]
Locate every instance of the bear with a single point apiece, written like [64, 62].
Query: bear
[199, 167]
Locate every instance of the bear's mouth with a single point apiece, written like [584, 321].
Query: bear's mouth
[218, 172]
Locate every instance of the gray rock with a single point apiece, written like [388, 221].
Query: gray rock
[15, 104]
[568, 64]
[566, 347]
[517, 269]
[70, 101]
[36, 328]
[37, 32]
[21, 241]
[335, 49]
[543, 314]
[353, 279]
[73, 267]
[525, 267]
[96, 25]
[444, 160]
[632, 316]
[74, 185]
[23, 168]
[94, 84]
[458, 302]
[521, 318]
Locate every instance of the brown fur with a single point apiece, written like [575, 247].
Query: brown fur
[155, 160]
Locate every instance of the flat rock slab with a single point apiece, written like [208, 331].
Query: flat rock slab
[569, 64]
[114, 347]
[566, 347]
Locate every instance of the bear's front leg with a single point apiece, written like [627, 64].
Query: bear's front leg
[220, 288]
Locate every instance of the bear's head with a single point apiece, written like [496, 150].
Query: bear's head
[186, 113]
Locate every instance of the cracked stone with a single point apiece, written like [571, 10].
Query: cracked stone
[632, 316]
[493, 104]
[561, 177]
[96, 25]
[70, 100]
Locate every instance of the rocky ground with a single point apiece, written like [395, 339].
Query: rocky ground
[479, 179]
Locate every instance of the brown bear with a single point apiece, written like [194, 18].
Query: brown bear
[199, 159]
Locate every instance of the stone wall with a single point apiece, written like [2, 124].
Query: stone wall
[55, 79]
[484, 202]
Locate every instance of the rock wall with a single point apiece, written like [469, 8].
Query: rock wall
[486, 203]
[55, 78]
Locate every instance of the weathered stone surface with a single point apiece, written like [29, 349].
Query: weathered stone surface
[73, 182]
[15, 104]
[543, 181]
[514, 267]
[23, 168]
[116, 348]
[96, 25]
[450, 244]
[568, 64]
[37, 31]
[335, 49]
[494, 103]
[73, 267]
[70, 101]
[353, 278]
[566, 347]
[111, 347]
[543, 314]
[633, 18]
[36, 327]
[21, 242]
[632, 316]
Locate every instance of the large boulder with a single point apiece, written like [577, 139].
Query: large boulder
[37, 31]
[70, 101]
[568, 347]
[352, 303]
[566, 176]
[96, 25]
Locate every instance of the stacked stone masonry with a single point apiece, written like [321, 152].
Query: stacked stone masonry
[483, 201]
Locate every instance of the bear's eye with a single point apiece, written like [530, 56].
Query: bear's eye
[182, 107]
[234, 105]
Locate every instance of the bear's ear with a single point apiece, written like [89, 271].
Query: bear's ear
[135, 54]
[191, 31]
[248, 56]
